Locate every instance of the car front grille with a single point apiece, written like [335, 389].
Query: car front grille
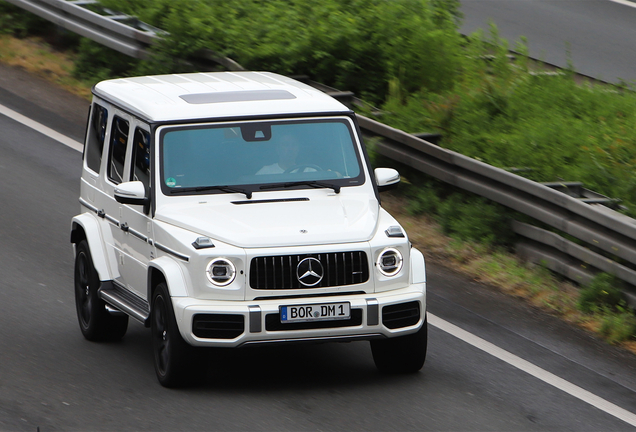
[281, 272]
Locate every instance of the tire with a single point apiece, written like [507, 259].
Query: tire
[172, 355]
[403, 354]
[96, 323]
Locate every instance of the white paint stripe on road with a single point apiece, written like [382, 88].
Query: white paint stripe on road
[41, 128]
[625, 3]
[533, 370]
[435, 321]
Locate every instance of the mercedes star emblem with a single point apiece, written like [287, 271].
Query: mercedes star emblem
[309, 272]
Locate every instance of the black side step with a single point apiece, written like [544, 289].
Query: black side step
[126, 301]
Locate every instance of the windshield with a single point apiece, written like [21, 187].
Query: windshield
[259, 155]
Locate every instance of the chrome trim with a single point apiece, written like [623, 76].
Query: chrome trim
[399, 265]
[172, 252]
[111, 220]
[304, 271]
[87, 205]
[137, 234]
[373, 312]
[345, 338]
[256, 325]
[99, 212]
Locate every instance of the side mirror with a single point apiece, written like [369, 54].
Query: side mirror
[133, 193]
[386, 178]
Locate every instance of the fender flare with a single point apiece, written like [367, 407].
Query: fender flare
[418, 267]
[173, 275]
[87, 223]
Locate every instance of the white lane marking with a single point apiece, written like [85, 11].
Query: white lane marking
[533, 370]
[41, 128]
[435, 321]
[625, 3]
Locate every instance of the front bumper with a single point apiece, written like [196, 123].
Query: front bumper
[256, 322]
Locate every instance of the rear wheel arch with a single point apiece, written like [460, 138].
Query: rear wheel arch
[77, 233]
[85, 227]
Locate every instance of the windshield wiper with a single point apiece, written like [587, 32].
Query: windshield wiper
[229, 189]
[312, 183]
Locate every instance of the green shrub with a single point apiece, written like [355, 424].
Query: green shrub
[20, 23]
[618, 326]
[548, 125]
[470, 217]
[96, 62]
[357, 45]
[603, 292]
[423, 199]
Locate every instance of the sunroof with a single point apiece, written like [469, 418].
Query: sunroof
[237, 96]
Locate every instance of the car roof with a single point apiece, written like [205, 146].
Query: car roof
[195, 96]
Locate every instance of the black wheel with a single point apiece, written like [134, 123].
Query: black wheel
[96, 322]
[302, 167]
[404, 354]
[173, 356]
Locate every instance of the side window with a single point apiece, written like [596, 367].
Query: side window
[141, 157]
[95, 138]
[117, 152]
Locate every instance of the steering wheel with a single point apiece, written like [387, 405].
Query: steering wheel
[301, 168]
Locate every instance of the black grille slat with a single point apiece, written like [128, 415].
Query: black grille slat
[401, 315]
[218, 326]
[279, 272]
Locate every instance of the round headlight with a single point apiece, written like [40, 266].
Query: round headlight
[390, 262]
[221, 271]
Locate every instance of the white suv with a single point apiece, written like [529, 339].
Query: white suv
[227, 209]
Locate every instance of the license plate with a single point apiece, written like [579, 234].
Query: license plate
[315, 312]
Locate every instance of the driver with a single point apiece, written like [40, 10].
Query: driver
[287, 151]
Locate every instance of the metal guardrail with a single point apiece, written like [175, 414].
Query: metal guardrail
[596, 225]
[120, 32]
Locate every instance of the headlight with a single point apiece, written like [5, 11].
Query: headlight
[221, 271]
[390, 262]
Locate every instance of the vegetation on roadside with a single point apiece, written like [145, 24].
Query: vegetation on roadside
[408, 58]
[545, 126]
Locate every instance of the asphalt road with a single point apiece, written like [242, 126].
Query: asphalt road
[52, 379]
[600, 35]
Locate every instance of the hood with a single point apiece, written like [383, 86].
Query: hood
[277, 223]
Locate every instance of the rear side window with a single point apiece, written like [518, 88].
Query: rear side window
[117, 152]
[95, 139]
[140, 170]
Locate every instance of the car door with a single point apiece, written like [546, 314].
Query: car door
[136, 224]
[114, 174]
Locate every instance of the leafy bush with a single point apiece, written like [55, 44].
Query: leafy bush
[603, 292]
[618, 326]
[20, 23]
[546, 124]
[357, 45]
[475, 218]
[95, 62]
